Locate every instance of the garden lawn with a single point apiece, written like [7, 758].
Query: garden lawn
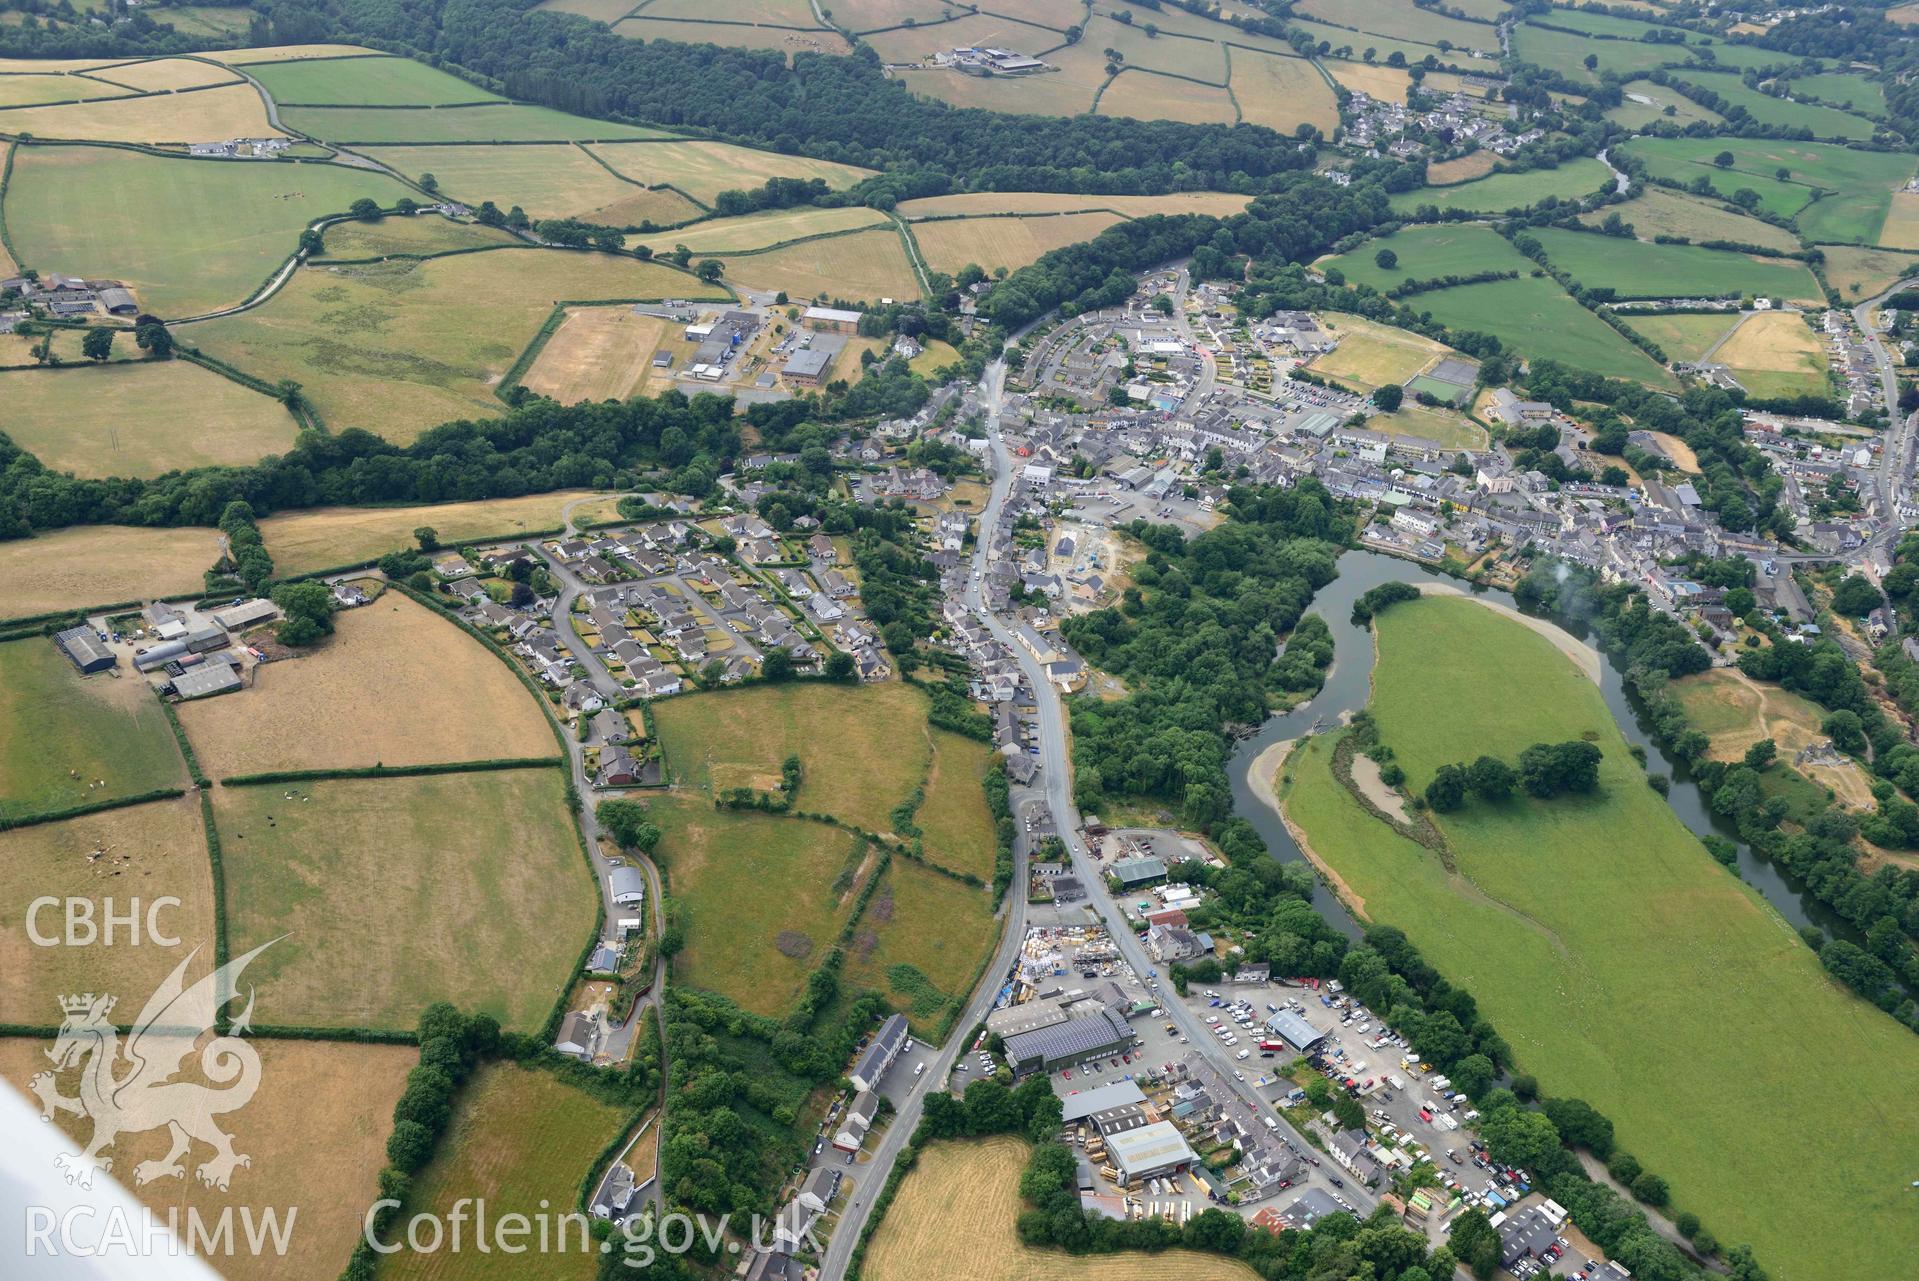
[520, 1140]
[396, 348]
[68, 740]
[187, 236]
[1430, 253]
[1534, 316]
[1637, 269]
[1499, 192]
[762, 897]
[862, 750]
[393, 893]
[367, 82]
[1635, 974]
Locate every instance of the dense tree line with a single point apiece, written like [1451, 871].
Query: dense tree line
[1197, 639]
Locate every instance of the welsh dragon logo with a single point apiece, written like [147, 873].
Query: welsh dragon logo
[129, 1090]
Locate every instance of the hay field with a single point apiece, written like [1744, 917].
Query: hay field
[704, 169]
[1388, 84]
[598, 353]
[521, 1140]
[763, 230]
[1141, 95]
[1398, 18]
[1281, 93]
[421, 235]
[1537, 317]
[394, 685]
[394, 893]
[1901, 229]
[1687, 337]
[399, 347]
[861, 750]
[151, 851]
[492, 122]
[940, 927]
[165, 75]
[304, 541]
[556, 180]
[956, 1211]
[141, 418]
[957, 826]
[763, 897]
[854, 15]
[368, 82]
[1773, 353]
[1863, 273]
[28, 91]
[291, 53]
[739, 35]
[188, 236]
[1474, 164]
[1218, 203]
[316, 1131]
[863, 267]
[102, 565]
[203, 116]
[1372, 355]
[1011, 243]
[51, 66]
[1660, 212]
[607, 11]
[68, 739]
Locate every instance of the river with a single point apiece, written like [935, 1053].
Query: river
[1349, 685]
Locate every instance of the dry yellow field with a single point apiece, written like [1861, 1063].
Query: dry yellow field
[1859, 273]
[549, 180]
[955, 1215]
[393, 686]
[150, 851]
[1773, 353]
[704, 169]
[29, 66]
[1907, 14]
[164, 75]
[207, 115]
[1011, 243]
[598, 353]
[290, 53]
[1145, 96]
[102, 565]
[1902, 222]
[866, 266]
[738, 35]
[958, 828]
[1474, 164]
[762, 230]
[1659, 212]
[1388, 84]
[1678, 450]
[27, 91]
[1282, 93]
[1373, 355]
[316, 1132]
[305, 541]
[1736, 711]
[1218, 203]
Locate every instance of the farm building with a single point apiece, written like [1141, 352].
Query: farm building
[84, 650]
[1294, 1030]
[628, 884]
[245, 614]
[1149, 1152]
[831, 320]
[808, 366]
[206, 680]
[879, 1055]
[1064, 1044]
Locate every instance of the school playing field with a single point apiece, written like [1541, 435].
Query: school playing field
[399, 347]
[394, 685]
[102, 565]
[140, 419]
[186, 236]
[393, 893]
[1639, 976]
[301, 542]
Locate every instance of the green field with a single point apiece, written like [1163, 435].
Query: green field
[366, 82]
[1385, 46]
[68, 740]
[762, 897]
[394, 893]
[520, 1141]
[422, 234]
[862, 751]
[187, 236]
[1658, 211]
[1499, 192]
[555, 180]
[1631, 114]
[1534, 316]
[1429, 253]
[1684, 337]
[140, 418]
[1825, 122]
[1853, 189]
[504, 122]
[1847, 89]
[1641, 270]
[940, 927]
[704, 169]
[1566, 53]
[1636, 974]
[957, 826]
[398, 347]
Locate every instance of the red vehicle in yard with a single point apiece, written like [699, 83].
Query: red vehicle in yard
[1425, 1114]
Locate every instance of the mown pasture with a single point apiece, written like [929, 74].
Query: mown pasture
[1684, 337]
[102, 565]
[1824, 122]
[866, 266]
[1535, 316]
[547, 180]
[496, 122]
[1776, 354]
[301, 542]
[1010, 242]
[1660, 212]
[201, 116]
[1499, 192]
[704, 169]
[367, 82]
[1638, 269]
